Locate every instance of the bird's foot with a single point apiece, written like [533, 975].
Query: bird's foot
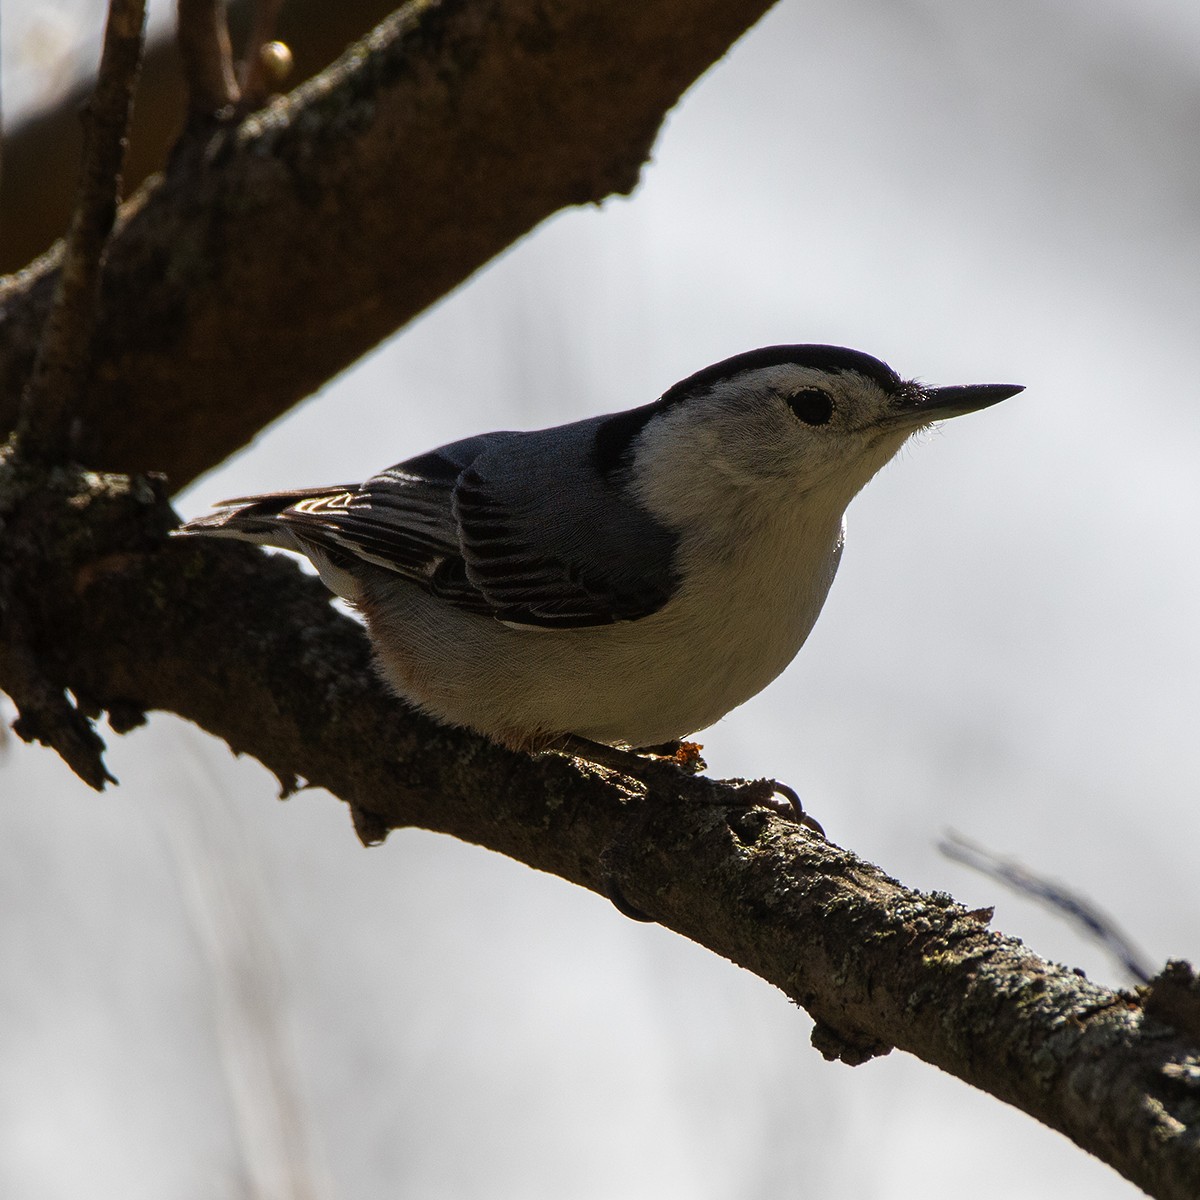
[769, 793]
[684, 755]
[765, 793]
[782, 800]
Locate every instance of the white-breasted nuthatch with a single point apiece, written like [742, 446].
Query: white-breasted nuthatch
[627, 579]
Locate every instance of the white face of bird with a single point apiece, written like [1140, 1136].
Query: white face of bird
[802, 425]
[787, 432]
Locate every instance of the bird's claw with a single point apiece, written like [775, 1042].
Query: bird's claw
[612, 889]
[784, 801]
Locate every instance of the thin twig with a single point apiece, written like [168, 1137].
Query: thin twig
[60, 369]
[1074, 907]
[207, 56]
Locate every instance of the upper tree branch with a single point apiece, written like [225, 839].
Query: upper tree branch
[41, 152]
[287, 247]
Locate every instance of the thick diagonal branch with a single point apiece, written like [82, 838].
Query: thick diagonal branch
[250, 649]
[274, 254]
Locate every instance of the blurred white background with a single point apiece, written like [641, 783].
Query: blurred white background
[205, 992]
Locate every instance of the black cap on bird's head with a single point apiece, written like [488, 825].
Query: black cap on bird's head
[833, 359]
[913, 399]
[900, 405]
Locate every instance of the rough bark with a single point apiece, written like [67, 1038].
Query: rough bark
[274, 253]
[41, 152]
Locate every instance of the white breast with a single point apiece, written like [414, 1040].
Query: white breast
[735, 625]
[745, 609]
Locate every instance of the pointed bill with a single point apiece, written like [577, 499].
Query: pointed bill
[924, 405]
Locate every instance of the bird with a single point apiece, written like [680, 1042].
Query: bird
[624, 580]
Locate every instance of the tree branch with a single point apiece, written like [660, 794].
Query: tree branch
[1073, 907]
[288, 679]
[47, 715]
[42, 151]
[51, 399]
[299, 239]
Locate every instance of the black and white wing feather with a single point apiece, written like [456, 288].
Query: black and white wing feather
[501, 525]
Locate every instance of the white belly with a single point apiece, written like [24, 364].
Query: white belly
[730, 630]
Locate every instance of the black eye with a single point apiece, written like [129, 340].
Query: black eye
[811, 405]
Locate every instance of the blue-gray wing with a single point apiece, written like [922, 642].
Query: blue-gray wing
[511, 525]
[549, 541]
